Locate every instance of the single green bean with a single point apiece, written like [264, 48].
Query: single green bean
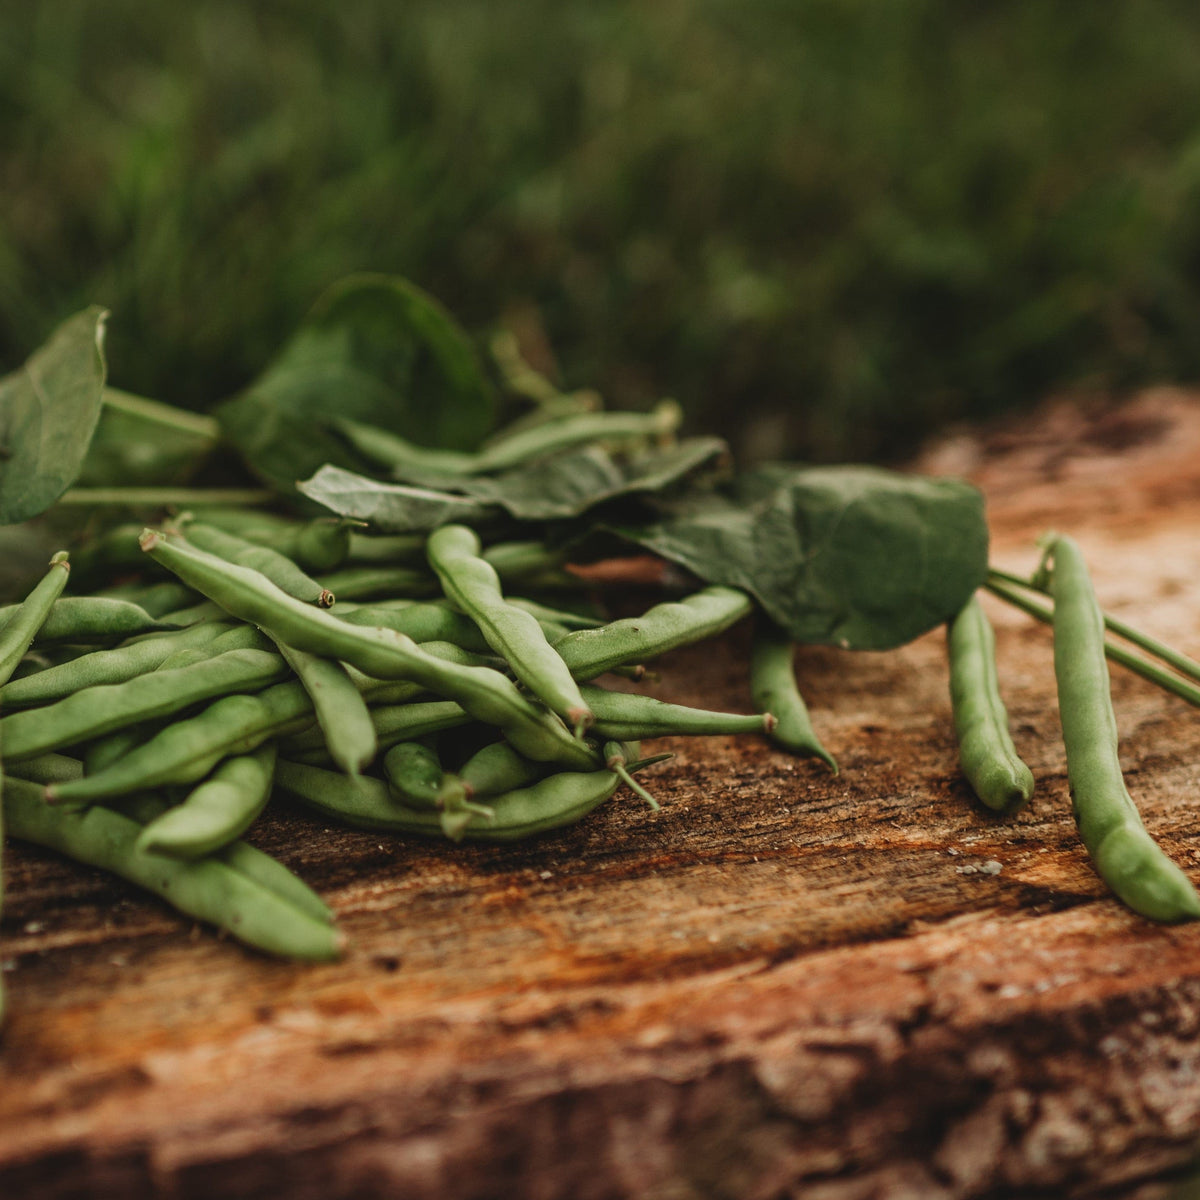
[498, 768]
[629, 717]
[395, 453]
[985, 747]
[157, 599]
[471, 583]
[22, 622]
[363, 583]
[395, 550]
[217, 812]
[93, 619]
[414, 772]
[423, 622]
[320, 544]
[1124, 854]
[210, 890]
[105, 666]
[278, 568]
[485, 694]
[341, 711]
[187, 750]
[667, 626]
[99, 710]
[774, 690]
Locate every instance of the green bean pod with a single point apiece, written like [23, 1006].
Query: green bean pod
[394, 453]
[423, 622]
[629, 717]
[341, 711]
[774, 690]
[99, 710]
[22, 622]
[157, 599]
[555, 436]
[187, 750]
[321, 544]
[986, 752]
[278, 568]
[498, 768]
[471, 583]
[1124, 854]
[393, 550]
[105, 666]
[414, 772]
[392, 722]
[81, 619]
[485, 694]
[254, 864]
[667, 626]
[210, 889]
[217, 812]
[370, 582]
[558, 800]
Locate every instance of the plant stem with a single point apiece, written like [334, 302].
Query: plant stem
[1144, 667]
[168, 497]
[162, 414]
[1184, 665]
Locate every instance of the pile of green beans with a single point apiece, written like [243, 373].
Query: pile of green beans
[146, 729]
[446, 704]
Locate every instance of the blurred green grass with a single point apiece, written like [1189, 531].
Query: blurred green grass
[826, 227]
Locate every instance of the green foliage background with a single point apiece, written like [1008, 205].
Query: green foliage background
[826, 226]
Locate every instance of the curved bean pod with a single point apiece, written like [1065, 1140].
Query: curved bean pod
[629, 717]
[210, 889]
[667, 626]
[94, 619]
[278, 568]
[774, 690]
[986, 752]
[217, 812]
[23, 621]
[472, 584]
[1124, 854]
[97, 711]
[187, 750]
[341, 711]
[105, 666]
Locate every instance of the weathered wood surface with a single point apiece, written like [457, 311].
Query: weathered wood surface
[783, 984]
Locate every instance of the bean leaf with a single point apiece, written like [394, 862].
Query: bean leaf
[559, 487]
[48, 413]
[375, 349]
[857, 557]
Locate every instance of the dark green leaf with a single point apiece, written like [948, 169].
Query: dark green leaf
[847, 556]
[375, 349]
[48, 413]
[566, 485]
[560, 487]
[390, 507]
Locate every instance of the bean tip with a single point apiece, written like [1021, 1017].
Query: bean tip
[326, 599]
[770, 721]
[580, 720]
[61, 560]
[149, 539]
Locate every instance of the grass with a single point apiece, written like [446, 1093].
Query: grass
[827, 228]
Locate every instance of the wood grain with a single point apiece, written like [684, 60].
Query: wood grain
[783, 984]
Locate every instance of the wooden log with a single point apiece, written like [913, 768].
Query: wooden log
[784, 983]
